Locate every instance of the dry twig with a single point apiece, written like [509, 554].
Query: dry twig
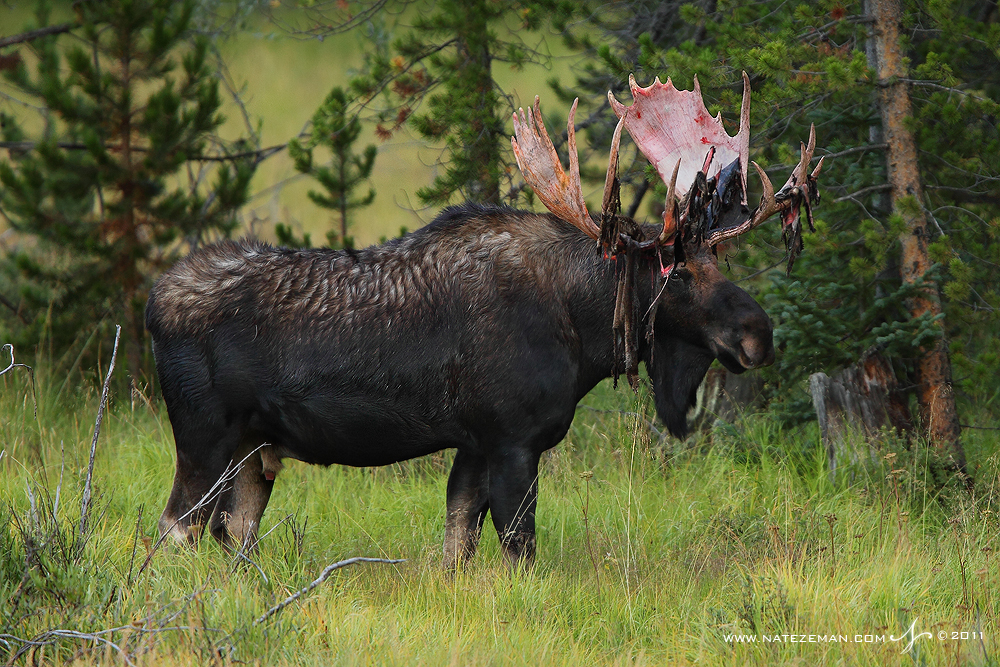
[320, 579]
[85, 504]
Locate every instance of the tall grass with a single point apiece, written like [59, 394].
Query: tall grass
[650, 551]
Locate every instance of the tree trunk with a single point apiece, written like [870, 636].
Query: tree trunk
[725, 396]
[934, 389]
[475, 63]
[864, 397]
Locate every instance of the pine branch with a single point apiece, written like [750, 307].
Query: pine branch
[36, 34]
[856, 149]
[258, 155]
[966, 195]
[864, 191]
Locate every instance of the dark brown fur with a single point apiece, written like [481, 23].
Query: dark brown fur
[479, 332]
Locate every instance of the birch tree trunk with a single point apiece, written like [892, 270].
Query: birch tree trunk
[934, 392]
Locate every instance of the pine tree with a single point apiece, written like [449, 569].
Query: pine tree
[335, 128]
[445, 64]
[935, 395]
[808, 64]
[115, 186]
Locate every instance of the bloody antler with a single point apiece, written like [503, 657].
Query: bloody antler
[704, 167]
[540, 166]
[670, 125]
[798, 191]
[675, 131]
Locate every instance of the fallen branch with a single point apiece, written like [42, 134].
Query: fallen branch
[49, 637]
[85, 504]
[320, 579]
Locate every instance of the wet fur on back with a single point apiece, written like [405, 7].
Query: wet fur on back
[466, 250]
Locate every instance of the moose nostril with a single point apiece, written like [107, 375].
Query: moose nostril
[757, 352]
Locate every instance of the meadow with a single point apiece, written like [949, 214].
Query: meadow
[651, 551]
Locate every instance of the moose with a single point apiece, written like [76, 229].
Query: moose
[480, 331]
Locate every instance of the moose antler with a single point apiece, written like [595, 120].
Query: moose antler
[799, 190]
[673, 128]
[540, 166]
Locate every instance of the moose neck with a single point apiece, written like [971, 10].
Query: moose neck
[675, 366]
[592, 301]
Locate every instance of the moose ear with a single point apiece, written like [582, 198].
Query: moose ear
[677, 369]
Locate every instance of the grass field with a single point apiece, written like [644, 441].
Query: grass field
[649, 553]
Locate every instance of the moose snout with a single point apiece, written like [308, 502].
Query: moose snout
[756, 351]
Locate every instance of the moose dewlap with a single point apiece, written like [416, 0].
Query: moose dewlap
[479, 332]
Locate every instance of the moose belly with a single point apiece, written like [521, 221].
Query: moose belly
[352, 430]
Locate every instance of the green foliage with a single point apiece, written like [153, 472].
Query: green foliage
[824, 325]
[335, 128]
[437, 77]
[99, 203]
[807, 64]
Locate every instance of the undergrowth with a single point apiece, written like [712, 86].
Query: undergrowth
[651, 551]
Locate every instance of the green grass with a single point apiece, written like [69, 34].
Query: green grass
[649, 552]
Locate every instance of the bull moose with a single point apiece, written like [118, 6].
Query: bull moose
[479, 332]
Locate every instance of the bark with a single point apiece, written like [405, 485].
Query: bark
[725, 396]
[934, 387]
[864, 398]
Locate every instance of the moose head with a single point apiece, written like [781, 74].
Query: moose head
[705, 170]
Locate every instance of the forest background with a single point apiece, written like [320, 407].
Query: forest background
[136, 130]
[420, 117]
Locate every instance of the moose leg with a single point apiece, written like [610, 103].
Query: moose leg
[237, 514]
[468, 500]
[513, 495]
[202, 457]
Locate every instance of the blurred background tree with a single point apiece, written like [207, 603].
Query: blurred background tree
[336, 129]
[435, 75]
[124, 177]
